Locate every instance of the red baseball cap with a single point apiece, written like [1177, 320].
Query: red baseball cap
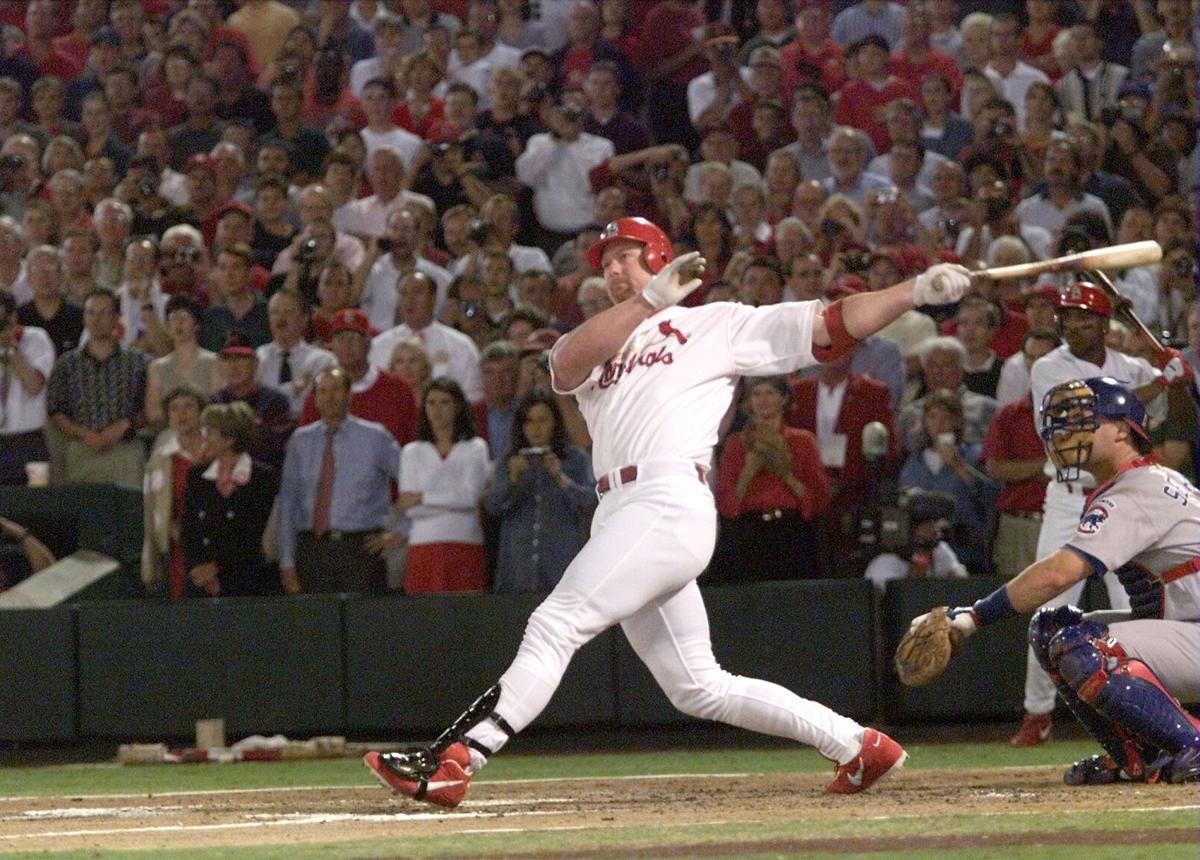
[352, 319]
[237, 345]
[235, 206]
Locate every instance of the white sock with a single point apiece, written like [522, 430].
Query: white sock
[488, 734]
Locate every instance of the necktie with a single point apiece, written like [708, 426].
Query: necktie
[324, 502]
[285, 367]
[1087, 95]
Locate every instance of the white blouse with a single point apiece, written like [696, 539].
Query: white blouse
[450, 489]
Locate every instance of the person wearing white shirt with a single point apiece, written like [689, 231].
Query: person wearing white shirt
[1014, 373]
[1062, 198]
[712, 95]
[1011, 76]
[378, 298]
[442, 477]
[379, 103]
[26, 359]
[451, 353]
[288, 363]
[499, 212]
[473, 61]
[556, 166]
[368, 215]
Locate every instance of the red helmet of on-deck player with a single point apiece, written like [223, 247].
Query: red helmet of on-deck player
[1087, 296]
[657, 251]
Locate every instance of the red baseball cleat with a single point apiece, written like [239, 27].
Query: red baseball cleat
[1035, 730]
[879, 756]
[440, 780]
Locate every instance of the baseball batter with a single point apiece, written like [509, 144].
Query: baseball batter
[1121, 672]
[1083, 315]
[653, 381]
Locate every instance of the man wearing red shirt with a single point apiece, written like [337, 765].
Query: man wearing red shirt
[916, 59]
[862, 102]
[813, 57]
[1013, 454]
[375, 395]
[41, 26]
[678, 56]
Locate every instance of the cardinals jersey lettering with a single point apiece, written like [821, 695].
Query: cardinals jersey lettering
[662, 396]
[1149, 515]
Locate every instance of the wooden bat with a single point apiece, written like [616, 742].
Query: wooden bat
[1124, 309]
[1113, 257]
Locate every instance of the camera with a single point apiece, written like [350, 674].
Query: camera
[480, 231]
[470, 310]
[856, 262]
[383, 243]
[951, 227]
[662, 173]
[308, 251]
[440, 149]
[572, 113]
[995, 206]
[186, 254]
[887, 195]
[534, 453]
[12, 162]
[146, 187]
[1000, 128]
[289, 74]
[830, 227]
[537, 92]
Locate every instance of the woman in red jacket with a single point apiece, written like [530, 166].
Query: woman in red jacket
[771, 485]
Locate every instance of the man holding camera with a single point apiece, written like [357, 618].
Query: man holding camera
[388, 258]
[26, 359]
[1146, 160]
[993, 214]
[556, 165]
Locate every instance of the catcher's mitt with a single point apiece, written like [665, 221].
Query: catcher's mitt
[926, 648]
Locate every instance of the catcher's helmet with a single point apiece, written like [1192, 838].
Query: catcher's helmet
[1087, 296]
[1071, 413]
[657, 252]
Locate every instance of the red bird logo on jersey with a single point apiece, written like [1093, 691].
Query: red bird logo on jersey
[667, 330]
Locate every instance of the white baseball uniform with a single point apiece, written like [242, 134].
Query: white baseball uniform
[657, 405]
[1064, 500]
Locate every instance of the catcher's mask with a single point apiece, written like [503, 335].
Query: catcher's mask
[1071, 414]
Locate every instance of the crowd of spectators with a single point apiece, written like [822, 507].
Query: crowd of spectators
[292, 267]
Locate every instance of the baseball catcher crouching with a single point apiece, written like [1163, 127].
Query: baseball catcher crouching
[1123, 674]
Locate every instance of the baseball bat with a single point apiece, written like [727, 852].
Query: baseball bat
[1125, 310]
[1113, 257]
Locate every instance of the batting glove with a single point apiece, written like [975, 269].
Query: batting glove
[943, 284]
[1174, 366]
[665, 289]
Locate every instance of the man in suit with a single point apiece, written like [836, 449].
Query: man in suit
[836, 405]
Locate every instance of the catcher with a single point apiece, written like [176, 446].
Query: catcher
[1124, 673]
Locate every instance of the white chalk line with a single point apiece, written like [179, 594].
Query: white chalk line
[301, 819]
[375, 786]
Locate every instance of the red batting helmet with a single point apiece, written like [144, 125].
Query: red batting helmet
[658, 251]
[1087, 296]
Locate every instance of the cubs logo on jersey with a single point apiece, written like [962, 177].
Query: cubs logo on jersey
[1094, 517]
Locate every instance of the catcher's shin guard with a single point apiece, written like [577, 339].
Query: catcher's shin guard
[1125, 694]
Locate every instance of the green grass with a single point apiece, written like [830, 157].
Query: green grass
[82, 780]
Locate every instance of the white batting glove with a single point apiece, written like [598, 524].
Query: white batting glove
[943, 284]
[1176, 367]
[665, 288]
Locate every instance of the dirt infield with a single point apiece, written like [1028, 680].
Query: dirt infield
[292, 816]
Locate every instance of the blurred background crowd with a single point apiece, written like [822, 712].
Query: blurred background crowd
[292, 267]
